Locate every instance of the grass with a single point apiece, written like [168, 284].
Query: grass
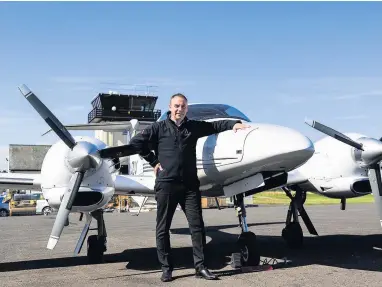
[280, 198]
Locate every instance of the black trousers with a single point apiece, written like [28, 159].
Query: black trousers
[168, 195]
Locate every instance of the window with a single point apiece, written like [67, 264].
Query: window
[211, 111]
[28, 196]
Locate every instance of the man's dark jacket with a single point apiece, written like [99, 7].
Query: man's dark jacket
[175, 146]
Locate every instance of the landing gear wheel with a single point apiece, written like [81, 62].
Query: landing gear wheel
[248, 249]
[293, 235]
[96, 248]
[47, 210]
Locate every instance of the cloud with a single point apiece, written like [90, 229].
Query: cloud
[361, 95]
[334, 81]
[351, 117]
[120, 84]
[8, 118]
[80, 80]
[67, 112]
[288, 99]
[168, 82]
[328, 89]
[74, 108]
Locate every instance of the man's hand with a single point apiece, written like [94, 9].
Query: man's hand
[239, 126]
[156, 168]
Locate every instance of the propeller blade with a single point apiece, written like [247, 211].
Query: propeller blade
[376, 187]
[65, 208]
[333, 133]
[48, 116]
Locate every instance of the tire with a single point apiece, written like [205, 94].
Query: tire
[95, 250]
[293, 235]
[47, 210]
[4, 213]
[248, 248]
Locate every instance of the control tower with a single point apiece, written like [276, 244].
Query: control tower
[112, 106]
[118, 107]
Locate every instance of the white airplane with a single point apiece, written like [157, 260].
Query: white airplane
[76, 178]
[343, 166]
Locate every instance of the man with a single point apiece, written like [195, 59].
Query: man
[174, 142]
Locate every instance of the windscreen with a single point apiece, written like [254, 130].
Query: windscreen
[212, 111]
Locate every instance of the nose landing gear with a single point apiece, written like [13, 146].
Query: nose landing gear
[96, 244]
[247, 254]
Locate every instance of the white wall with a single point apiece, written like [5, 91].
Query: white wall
[111, 138]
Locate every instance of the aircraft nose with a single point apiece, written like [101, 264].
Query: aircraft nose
[277, 147]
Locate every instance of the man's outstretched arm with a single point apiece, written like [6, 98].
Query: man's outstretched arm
[142, 143]
[208, 128]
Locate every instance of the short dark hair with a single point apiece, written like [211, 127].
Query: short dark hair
[179, 95]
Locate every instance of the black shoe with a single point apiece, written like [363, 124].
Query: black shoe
[166, 276]
[205, 274]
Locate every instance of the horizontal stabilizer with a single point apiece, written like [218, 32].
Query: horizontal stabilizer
[106, 126]
[20, 181]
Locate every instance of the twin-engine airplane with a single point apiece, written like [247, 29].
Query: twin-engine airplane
[343, 166]
[75, 177]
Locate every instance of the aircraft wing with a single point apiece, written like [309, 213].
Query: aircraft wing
[140, 185]
[124, 184]
[295, 177]
[20, 181]
[106, 126]
[134, 185]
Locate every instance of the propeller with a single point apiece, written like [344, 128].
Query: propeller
[82, 156]
[367, 152]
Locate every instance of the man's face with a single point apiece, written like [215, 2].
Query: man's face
[178, 108]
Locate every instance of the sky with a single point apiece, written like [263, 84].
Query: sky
[278, 63]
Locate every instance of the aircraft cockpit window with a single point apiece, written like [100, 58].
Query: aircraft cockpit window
[211, 111]
[163, 117]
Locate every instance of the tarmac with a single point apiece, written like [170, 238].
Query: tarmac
[346, 252]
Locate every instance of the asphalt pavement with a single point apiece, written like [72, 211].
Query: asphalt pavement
[347, 252]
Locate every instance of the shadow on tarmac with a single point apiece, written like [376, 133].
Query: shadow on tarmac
[343, 251]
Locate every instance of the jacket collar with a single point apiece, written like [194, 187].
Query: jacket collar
[172, 122]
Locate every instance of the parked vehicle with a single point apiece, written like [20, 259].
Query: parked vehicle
[29, 204]
[4, 207]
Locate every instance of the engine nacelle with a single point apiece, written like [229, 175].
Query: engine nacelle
[345, 187]
[96, 189]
